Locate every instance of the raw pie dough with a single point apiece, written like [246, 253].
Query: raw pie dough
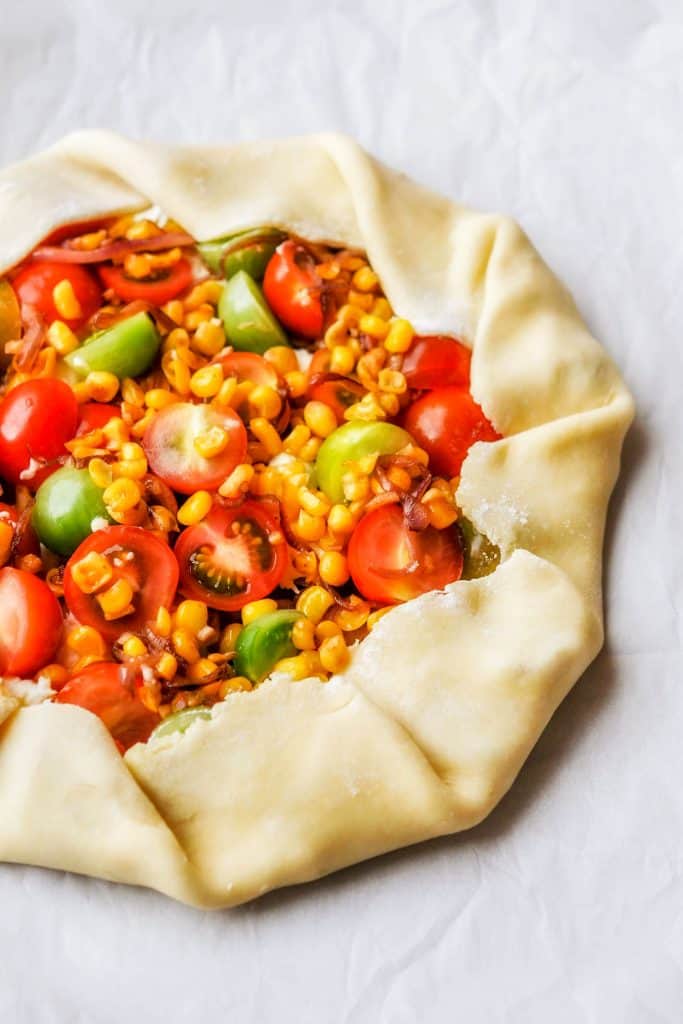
[429, 726]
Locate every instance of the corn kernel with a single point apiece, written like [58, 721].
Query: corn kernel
[209, 338]
[6, 538]
[309, 528]
[159, 398]
[121, 496]
[205, 292]
[297, 667]
[206, 383]
[382, 308]
[361, 302]
[234, 685]
[392, 381]
[200, 670]
[334, 568]
[85, 640]
[309, 451]
[134, 647]
[355, 487]
[195, 508]
[255, 609]
[283, 358]
[297, 383]
[340, 519]
[132, 392]
[342, 359]
[334, 654]
[266, 433]
[238, 481]
[229, 638]
[116, 601]
[56, 675]
[295, 441]
[373, 326]
[167, 665]
[211, 442]
[61, 337]
[303, 635]
[325, 629]
[400, 336]
[185, 645]
[350, 619]
[192, 615]
[101, 385]
[375, 616]
[139, 428]
[162, 622]
[365, 280]
[92, 572]
[176, 373]
[314, 602]
[199, 316]
[313, 502]
[264, 401]
[65, 300]
[442, 512]
[320, 418]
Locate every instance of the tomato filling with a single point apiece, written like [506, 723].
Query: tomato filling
[215, 473]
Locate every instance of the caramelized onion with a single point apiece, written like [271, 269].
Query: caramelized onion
[67, 253]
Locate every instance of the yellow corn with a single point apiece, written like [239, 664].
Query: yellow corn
[185, 645]
[176, 310]
[298, 667]
[319, 418]
[56, 675]
[365, 280]
[203, 314]
[374, 618]
[283, 358]
[121, 496]
[442, 512]
[314, 602]
[266, 433]
[66, 303]
[309, 528]
[229, 638]
[6, 538]
[176, 372]
[392, 381]
[140, 427]
[85, 640]
[313, 502]
[209, 338]
[234, 685]
[206, 383]
[200, 670]
[211, 442]
[238, 481]
[303, 635]
[92, 572]
[255, 609]
[30, 563]
[162, 622]
[162, 519]
[309, 451]
[356, 487]
[334, 654]
[334, 568]
[374, 326]
[297, 383]
[350, 619]
[389, 404]
[101, 385]
[340, 519]
[115, 433]
[342, 359]
[264, 401]
[325, 629]
[116, 601]
[368, 409]
[134, 647]
[382, 308]
[167, 665]
[400, 336]
[159, 398]
[132, 392]
[361, 301]
[195, 508]
[192, 615]
[295, 441]
[61, 337]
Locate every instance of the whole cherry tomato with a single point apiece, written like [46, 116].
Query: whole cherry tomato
[446, 422]
[31, 623]
[35, 283]
[435, 361]
[37, 418]
[293, 290]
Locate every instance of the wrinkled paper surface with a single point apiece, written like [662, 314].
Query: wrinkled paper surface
[565, 905]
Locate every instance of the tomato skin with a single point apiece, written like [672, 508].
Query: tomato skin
[292, 290]
[157, 290]
[37, 418]
[212, 547]
[249, 366]
[34, 284]
[391, 563]
[320, 363]
[102, 688]
[29, 545]
[31, 623]
[95, 415]
[338, 392]
[446, 422]
[435, 361]
[153, 572]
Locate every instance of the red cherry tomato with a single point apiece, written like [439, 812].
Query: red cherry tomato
[31, 623]
[107, 689]
[338, 392]
[37, 418]
[390, 563]
[163, 286]
[320, 363]
[136, 555]
[169, 446]
[435, 361]
[234, 556]
[29, 543]
[292, 290]
[249, 366]
[445, 422]
[95, 415]
[34, 285]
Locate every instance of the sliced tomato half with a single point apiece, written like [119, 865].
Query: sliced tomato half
[336, 391]
[35, 283]
[159, 288]
[169, 444]
[136, 555]
[234, 556]
[390, 562]
[249, 366]
[111, 692]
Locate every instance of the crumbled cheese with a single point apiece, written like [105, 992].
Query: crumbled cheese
[99, 523]
[33, 467]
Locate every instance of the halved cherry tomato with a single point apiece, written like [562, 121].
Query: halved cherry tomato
[159, 288]
[37, 418]
[95, 415]
[292, 289]
[139, 557]
[34, 285]
[391, 563]
[249, 366]
[446, 422]
[234, 556]
[110, 691]
[29, 543]
[320, 363]
[170, 449]
[336, 391]
[31, 623]
[435, 361]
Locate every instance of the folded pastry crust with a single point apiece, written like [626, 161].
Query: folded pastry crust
[441, 704]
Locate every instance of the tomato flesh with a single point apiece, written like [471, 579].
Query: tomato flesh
[136, 555]
[37, 418]
[29, 543]
[110, 691]
[249, 366]
[435, 361]
[95, 415]
[391, 563]
[31, 623]
[446, 422]
[161, 287]
[293, 292]
[34, 285]
[235, 555]
[338, 392]
[170, 449]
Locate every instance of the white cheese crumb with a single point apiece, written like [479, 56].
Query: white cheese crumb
[98, 523]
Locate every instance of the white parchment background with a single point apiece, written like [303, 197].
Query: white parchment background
[566, 906]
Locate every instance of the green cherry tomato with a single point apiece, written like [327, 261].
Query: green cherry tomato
[248, 250]
[482, 556]
[263, 643]
[350, 443]
[180, 721]
[127, 349]
[66, 504]
[249, 323]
